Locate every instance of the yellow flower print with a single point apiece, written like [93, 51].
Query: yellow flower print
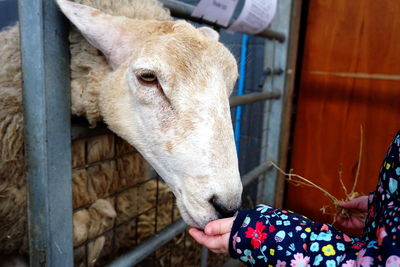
[387, 166]
[328, 250]
[272, 252]
[308, 229]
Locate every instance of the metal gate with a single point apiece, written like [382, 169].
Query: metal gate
[265, 121]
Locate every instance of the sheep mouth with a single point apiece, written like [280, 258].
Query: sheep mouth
[188, 217]
[191, 221]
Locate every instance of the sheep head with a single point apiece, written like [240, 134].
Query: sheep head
[167, 94]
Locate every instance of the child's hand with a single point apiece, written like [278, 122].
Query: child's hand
[215, 236]
[359, 204]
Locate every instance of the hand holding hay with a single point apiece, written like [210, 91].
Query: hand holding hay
[352, 210]
[357, 205]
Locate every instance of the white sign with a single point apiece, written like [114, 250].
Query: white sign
[217, 11]
[255, 16]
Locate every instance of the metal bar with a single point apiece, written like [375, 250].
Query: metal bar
[267, 72]
[164, 236]
[288, 98]
[80, 127]
[204, 257]
[46, 99]
[150, 245]
[254, 97]
[184, 11]
[255, 173]
[240, 91]
[276, 56]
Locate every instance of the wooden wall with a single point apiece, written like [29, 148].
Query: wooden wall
[350, 76]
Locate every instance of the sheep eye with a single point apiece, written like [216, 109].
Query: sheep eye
[147, 77]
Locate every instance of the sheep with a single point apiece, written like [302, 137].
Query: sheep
[164, 89]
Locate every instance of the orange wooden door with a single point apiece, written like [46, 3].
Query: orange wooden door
[350, 76]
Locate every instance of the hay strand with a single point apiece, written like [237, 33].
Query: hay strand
[334, 209]
[304, 181]
[359, 159]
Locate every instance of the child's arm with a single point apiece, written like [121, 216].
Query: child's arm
[267, 236]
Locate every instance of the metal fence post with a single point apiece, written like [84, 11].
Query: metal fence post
[276, 57]
[46, 98]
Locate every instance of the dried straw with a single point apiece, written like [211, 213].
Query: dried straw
[334, 209]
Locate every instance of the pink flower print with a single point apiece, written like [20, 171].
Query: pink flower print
[381, 234]
[280, 263]
[361, 253]
[324, 227]
[349, 263]
[380, 189]
[346, 238]
[300, 261]
[366, 262]
[393, 261]
[235, 239]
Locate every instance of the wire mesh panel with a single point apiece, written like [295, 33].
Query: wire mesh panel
[117, 204]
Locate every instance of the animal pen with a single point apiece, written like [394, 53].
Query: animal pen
[142, 225]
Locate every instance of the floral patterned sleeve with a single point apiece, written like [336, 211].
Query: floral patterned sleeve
[274, 237]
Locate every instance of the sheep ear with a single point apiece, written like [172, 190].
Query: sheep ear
[210, 33]
[103, 31]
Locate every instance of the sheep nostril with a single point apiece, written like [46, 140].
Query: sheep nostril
[222, 210]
